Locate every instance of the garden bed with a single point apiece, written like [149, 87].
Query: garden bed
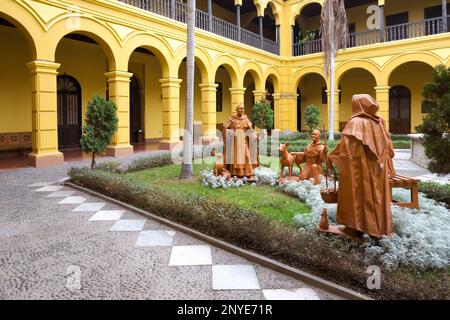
[252, 217]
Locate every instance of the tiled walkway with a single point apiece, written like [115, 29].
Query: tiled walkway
[59, 243]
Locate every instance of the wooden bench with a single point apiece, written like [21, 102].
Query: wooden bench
[412, 184]
[19, 141]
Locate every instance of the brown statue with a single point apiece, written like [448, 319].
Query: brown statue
[315, 154]
[219, 165]
[241, 155]
[288, 159]
[364, 158]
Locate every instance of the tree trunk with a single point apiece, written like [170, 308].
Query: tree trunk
[187, 170]
[93, 161]
[331, 134]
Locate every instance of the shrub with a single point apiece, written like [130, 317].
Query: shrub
[149, 162]
[436, 124]
[101, 124]
[312, 117]
[436, 191]
[262, 114]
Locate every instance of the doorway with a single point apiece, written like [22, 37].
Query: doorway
[69, 112]
[400, 110]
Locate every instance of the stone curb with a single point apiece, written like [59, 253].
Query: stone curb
[251, 256]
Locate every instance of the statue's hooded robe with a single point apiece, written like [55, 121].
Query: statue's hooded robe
[364, 158]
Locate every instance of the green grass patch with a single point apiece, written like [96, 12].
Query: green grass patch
[264, 200]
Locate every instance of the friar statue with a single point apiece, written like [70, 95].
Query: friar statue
[241, 155]
[364, 158]
[313, 157]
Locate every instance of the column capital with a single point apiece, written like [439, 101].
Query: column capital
[284, 95]
[170, 82]
[238, 3]
[259, 92]
[117, 75]
[382, 88]
[336, 91]
[237, 90]
[208, 86]
[41, 66]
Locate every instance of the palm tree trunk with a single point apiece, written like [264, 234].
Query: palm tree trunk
[331, 130]
[187, 170]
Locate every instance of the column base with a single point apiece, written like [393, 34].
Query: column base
[168, 144]
[119, 151]
[47, 160]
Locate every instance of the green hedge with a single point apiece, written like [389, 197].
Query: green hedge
[324, 256]
[436, 191]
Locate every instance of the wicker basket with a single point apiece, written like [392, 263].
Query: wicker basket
[329, 195]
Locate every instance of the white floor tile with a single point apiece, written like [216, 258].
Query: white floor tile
[171, 233]
[128, 225]
[293, 294]
[60, 194]
[90, 207]
[41, 184]
[190, 256]
[107, 215]
[154, 239]
[72, 200]
[234, 277]
[50, 189]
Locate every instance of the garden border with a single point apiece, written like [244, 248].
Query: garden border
[251, 256]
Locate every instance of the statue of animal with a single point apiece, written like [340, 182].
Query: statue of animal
[219, 165]
[288, 159]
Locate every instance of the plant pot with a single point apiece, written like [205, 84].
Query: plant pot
[329, 195]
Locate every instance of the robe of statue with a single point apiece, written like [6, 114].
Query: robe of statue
[314, 157]
[241, 147]
[364, 158]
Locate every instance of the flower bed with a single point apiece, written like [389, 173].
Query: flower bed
[414, 262]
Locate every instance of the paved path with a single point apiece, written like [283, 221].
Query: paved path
[58, 243]
[405, 166]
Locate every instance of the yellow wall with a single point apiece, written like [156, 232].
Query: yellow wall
[355, 81]
[311, 93]
[85, 62]
[413, 75]
[15, 88]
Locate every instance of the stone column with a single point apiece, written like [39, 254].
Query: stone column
[173, 9]
[382, 97]
[259, 94]
[44, 108]
[119, 93]
[238, 21]
[444, 16]
[336, 109]
[382, 28]
[237, 96]
[261, 31]
[285, 111]
[209, 92]
[210, 15]
[171, 112]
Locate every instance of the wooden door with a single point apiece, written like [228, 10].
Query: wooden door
[400, 110]
[69, 112]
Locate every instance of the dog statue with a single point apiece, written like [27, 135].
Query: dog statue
[219, 165]
[288, 159]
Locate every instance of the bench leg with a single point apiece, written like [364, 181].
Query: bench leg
[415, 196]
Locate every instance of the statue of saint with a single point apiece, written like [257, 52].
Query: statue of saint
[315, 154]
[364, 158]
[241, 145]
